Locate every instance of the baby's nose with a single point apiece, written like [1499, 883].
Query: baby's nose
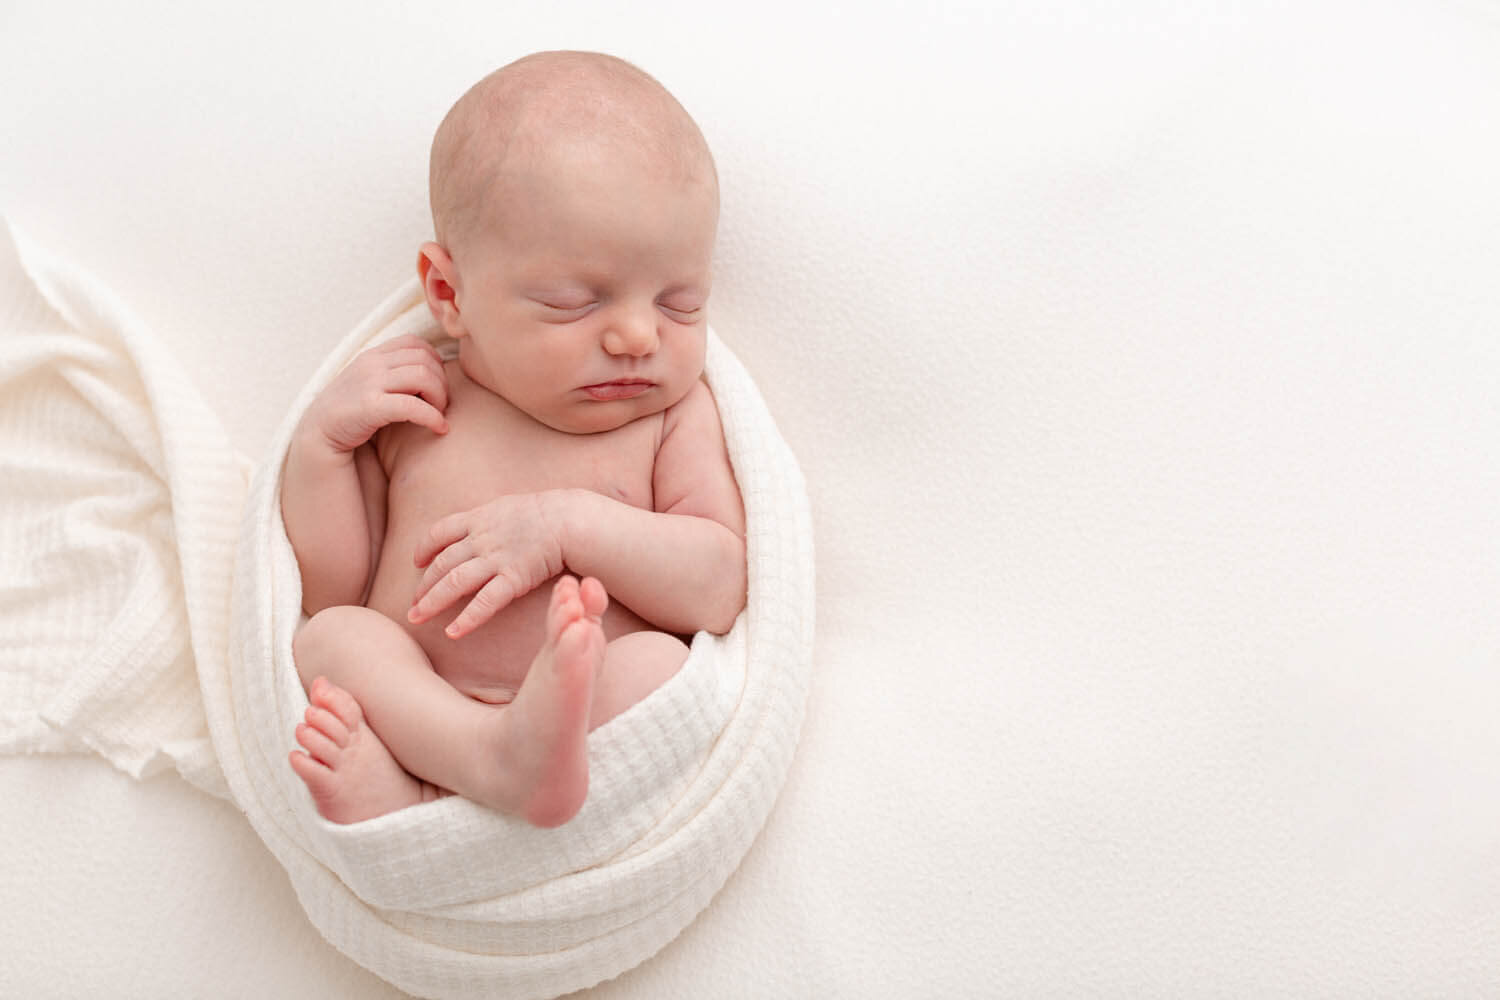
[632, 333]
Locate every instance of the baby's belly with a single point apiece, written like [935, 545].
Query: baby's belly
[490, 662]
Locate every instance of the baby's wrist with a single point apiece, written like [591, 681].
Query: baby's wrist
[566, 513]
[313, 447]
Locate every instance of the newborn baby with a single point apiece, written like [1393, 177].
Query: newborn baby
[436, 508]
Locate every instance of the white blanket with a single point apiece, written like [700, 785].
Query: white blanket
[132, 504]
[118, 519]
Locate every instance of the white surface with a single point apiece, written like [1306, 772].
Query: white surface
[1142, 362]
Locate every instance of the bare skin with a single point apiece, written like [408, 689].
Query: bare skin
[440, 511]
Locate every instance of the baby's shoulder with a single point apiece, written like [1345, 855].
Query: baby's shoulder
[695, 407]
[691, 426]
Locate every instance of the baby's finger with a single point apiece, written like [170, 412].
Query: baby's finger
[409, 350]
[463, 581]
[407, 342]
[444, 563]
[398, 407]
[419, 380]
[442, 534]
[420, 355]
[490, 600]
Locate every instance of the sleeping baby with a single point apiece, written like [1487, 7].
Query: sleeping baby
[501, 552]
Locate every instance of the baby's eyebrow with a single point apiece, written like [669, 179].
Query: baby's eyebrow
[684, 298]
[687, 288]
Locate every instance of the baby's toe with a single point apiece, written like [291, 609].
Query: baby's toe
[318, 746]
[340, 703]
[312, 771]
[328, 724]
[595, 600]
[321, 782]
[565, 608]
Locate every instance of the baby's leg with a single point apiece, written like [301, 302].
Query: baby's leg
[634, 665]
[529, 758]
[343, 655]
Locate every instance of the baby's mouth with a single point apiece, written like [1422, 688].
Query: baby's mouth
[621, 388]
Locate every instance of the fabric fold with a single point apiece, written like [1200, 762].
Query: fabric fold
[121, 508]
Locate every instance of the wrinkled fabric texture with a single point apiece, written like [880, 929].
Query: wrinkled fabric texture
[118, 519]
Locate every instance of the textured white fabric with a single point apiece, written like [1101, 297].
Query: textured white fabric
[131, 500]
[118, 520]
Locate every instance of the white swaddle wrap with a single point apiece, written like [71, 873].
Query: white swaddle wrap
[452, 899]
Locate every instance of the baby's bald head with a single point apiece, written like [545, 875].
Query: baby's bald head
[547, 110]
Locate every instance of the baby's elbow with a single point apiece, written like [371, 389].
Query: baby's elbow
[721, 626]
[338, 584]
[732, 599]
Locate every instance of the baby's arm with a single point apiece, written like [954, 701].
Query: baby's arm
[323, 502]
[333, 489]
[680, 566]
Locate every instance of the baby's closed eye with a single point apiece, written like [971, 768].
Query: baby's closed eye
[684, 309]
[566, 306]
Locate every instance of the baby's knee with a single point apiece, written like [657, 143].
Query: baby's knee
[322, 647]
[652, 652]
[635, 664]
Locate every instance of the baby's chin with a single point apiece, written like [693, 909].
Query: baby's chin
[602, 416]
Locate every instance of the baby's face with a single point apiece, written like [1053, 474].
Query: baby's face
[585, 304]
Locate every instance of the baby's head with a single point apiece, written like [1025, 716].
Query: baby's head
[575, 204]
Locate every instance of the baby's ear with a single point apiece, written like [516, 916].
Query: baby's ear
[436, 271]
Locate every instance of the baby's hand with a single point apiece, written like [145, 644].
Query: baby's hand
[395, 381]
[503, 550]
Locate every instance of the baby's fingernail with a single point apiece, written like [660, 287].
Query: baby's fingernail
[452, 629]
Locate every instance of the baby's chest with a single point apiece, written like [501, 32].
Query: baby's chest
[478, 460]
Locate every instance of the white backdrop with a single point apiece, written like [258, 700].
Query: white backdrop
[1142, 361]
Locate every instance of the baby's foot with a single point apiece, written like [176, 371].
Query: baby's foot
[542, 742]
[350, 773]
